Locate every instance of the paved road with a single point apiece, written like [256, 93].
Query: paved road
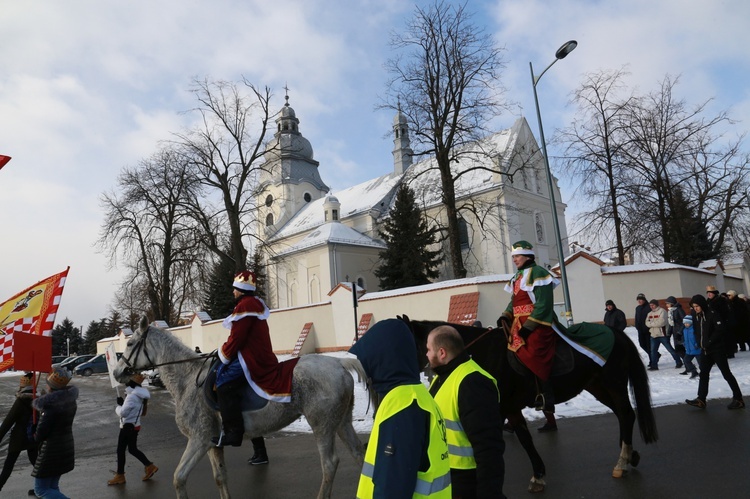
[700, 454]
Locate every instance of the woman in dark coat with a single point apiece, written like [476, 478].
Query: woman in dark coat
[17, 421]
[54, 434]
[709, 327]
[614, 317]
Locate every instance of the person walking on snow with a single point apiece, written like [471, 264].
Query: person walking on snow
[130, 410]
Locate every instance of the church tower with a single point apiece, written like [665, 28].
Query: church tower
[402, 153]
[290, 177]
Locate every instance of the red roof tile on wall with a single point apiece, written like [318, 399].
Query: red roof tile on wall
[463, 308]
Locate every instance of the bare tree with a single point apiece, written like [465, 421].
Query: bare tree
[148, 227]
[593, 152]
[445, 81]
[225, 152]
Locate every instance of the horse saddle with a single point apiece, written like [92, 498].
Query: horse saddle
[563, 363]
[251, 401]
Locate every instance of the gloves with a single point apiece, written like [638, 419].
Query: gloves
[120, 400]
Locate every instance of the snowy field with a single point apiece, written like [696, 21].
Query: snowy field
[667, 388]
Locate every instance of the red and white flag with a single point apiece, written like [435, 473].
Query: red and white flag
[32, 311]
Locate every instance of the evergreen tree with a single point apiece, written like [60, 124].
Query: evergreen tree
[259, 269]
[407, 261]
[687, 237]
[64, 333]
[218, 301]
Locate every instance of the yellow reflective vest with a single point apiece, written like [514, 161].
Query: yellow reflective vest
[459, 447]
[435, 483]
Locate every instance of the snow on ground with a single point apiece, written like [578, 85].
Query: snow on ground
[667, 388]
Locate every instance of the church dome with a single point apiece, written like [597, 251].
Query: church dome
[400, 118]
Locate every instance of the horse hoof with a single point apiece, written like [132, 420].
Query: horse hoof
[618, 473]
[536, 485]
[635, 458]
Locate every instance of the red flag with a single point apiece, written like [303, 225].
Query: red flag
[4, 160]
[32, 311]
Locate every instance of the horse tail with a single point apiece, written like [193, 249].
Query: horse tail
[639, 387]
[354, 365]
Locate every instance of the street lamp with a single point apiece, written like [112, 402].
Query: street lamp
[561, 53]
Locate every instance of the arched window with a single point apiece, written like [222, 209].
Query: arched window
[269, 200]
[269, 220]
[539, 226]
[361, 282]
[463, 233]
[335, 214]
[307, 197]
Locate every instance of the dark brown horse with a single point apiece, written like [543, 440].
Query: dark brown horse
[608, 384]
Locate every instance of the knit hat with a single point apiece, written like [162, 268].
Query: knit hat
[741, 296]
[699, 300]
[58, 378]
[26, 380]
[672, 300]
[688, 319]
[244, 281]
[732, 292]
[138, 378]
[522, 248]
[654, 302]
[609, 302]
[641, 296]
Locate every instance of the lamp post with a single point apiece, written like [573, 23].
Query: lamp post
[561, 53]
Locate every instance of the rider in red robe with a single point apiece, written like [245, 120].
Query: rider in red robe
[247, 357]
[532, 316]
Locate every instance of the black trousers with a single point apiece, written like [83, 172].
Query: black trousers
[10, 462]
[128, 440]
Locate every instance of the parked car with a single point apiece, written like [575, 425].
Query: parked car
[71, 362]
[154, 379]
[98, 364]
[57, 359]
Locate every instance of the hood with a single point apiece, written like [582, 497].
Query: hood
[60, 398]
[388, 354]
[699, 300]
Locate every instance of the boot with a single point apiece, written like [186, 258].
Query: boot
[694, 375]
[150, 470]
[736, 404]
[118, 479]
[232, 423]
[260, 456]
[545, 400]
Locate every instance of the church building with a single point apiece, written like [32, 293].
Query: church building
[315, 239]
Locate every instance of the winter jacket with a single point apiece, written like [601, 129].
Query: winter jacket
[657, 322]
[17, 421]
[615, 319]
[54, 432]
[710, 331]
[692, 345]
[388, 354]
[641, 312]
[479, 417]
[675, 314]
[132, 408]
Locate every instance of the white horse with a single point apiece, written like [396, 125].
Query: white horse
[322, 391]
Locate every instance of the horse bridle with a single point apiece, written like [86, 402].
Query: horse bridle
[141, 345]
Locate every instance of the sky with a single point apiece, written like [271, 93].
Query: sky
[88, 88]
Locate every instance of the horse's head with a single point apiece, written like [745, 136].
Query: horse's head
[136, 356]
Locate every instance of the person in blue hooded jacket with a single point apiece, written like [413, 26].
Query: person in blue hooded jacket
[407, 455]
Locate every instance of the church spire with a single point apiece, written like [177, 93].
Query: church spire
[402, 153]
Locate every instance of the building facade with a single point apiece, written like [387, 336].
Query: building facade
[315, 239]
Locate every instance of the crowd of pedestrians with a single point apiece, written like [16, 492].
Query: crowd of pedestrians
[715, 327]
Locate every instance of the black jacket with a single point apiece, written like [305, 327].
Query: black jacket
[17, 421]
[54, 432]
[709, 329]
[479, 412]
[641, 312]
[615, 319]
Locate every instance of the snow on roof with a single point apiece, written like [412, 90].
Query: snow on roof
[708, 264]
[424, 177]
[357, 199]
[333, 232]
[454, 283]
[648, 267]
